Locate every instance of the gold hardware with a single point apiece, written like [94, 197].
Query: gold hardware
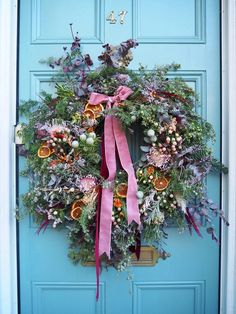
[149, 256]
[111, 17]
[122, 15]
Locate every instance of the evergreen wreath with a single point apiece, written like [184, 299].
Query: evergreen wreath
[65, 146]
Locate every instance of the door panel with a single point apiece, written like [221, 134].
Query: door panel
[184, 31]
[181, 21]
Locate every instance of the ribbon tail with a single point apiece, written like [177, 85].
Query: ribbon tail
[191, 220]
[104, 174]
[43, 226]
[136, 249]
[107, 192]
[189, 224]
[97, 261]
[126, 163]
[138, 246]
[105, 222]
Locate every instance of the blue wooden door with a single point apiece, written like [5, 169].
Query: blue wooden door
[184, 31]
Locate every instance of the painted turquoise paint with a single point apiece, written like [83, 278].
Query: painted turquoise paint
[184, 31]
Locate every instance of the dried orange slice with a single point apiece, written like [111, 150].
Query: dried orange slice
[77, 203]
[90, 114]
[150, 170]
[44, 151]
[122, 189]
[76, 212]
[161, 183]
[97, 109]
[76, 209]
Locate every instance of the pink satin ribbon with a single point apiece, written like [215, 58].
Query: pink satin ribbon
[114, 137]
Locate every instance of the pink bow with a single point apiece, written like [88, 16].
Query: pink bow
[114, 137]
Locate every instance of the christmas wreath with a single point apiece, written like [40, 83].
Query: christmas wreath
[79, 161]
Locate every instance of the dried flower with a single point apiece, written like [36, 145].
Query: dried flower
[87, 183]
[156, 158]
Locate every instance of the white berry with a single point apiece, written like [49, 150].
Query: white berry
[90, 141]
[75, 144]
[92, 135]
[150, 133]
[140, 194]
[83, 137]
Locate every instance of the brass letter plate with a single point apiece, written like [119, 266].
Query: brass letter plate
[149, 256]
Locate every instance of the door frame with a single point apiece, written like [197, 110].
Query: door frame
[228, 70]
[8, 101]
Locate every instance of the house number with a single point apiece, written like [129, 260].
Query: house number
[122, 15]
[112, 18]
